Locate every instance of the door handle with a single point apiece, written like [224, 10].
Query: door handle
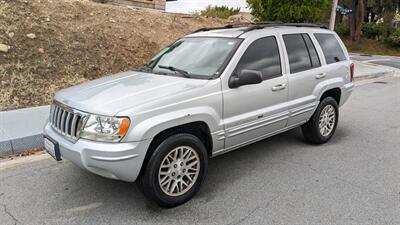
[321, 75]
[278, 87]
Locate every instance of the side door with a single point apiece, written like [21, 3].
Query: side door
[305, 74]
[252, 112]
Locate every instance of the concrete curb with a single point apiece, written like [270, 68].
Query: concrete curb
[14, 146]
[370, 70]
[21, 130]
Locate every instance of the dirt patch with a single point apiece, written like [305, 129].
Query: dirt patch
[35, 151]
[57, 44]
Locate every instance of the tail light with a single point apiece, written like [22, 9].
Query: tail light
[352, 72]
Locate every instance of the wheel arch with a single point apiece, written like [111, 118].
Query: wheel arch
[335, 93]
[331, 87]
[199, 129]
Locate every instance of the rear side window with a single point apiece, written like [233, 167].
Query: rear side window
[330, 47]
[312, 51]
[301, 52]
[262, 55]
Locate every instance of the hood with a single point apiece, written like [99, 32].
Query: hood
[112, 94]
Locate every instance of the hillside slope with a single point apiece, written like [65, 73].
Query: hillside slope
[56, 44]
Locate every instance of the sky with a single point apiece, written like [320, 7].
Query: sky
[189, 6]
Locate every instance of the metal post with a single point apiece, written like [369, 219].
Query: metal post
[333, 15]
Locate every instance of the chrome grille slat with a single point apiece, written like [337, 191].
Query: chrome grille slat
[54, 115]
[60, 111]
[73, 125]
[64, 113]
[66, 121]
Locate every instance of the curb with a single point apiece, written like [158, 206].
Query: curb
[384, 71]
[21, 130]
[374, 75]
[17, 145]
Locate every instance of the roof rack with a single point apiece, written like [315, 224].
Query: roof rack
[261, 25]
[229, 26]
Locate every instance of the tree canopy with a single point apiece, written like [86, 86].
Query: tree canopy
[300, 11]
[222, 12]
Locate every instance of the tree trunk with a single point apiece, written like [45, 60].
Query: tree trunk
[360, 20]
[356, 20]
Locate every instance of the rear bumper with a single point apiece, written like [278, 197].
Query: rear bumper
[121, 161]
[346, 92]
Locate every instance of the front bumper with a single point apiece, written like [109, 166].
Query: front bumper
[121, 161]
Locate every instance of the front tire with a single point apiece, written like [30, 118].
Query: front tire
[175, 170]
[322, 125]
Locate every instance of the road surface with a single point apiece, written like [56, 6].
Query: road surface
[353, 179]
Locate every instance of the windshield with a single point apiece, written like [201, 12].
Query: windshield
[193, 56]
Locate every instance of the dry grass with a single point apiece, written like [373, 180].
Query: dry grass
[77, 41]
[370, 47]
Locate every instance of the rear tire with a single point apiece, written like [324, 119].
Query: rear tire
[175, 170]
[322, 125]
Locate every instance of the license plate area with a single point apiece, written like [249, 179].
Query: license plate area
[52, 148]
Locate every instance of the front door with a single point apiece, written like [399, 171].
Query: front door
[252, 112]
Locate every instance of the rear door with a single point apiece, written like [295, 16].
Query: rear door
[305, 73]
[336, 57]
[252, 112]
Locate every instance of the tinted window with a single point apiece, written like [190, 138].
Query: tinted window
[330, 47]
[299, 59]
[262, 55]
[311, 50]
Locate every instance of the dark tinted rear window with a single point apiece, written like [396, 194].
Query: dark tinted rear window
[299, 58]
[262, 55]
[313, 53]
[330, 46]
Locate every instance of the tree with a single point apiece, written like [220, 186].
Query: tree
[356, 19]
[299, 11]
[222, 12]
[370, 11]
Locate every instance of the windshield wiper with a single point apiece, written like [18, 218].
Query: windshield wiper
[180, 71]
[146, 68]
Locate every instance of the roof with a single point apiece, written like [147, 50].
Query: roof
[233, 31]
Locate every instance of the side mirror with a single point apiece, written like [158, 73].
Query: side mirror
[245, 77]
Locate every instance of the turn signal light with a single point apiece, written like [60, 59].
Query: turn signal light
[124, 126]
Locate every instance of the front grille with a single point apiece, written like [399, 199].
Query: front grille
[66, 121]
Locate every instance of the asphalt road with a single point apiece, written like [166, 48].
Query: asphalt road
[353, 179]
[392, 61]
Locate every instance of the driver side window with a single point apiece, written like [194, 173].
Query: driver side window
[262, 55]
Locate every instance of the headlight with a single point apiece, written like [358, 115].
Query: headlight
[104, 128]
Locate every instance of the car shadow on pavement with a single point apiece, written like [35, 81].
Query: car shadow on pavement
[222, 173]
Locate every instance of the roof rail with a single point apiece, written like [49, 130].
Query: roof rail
[261, 25]
[229, 26]
[213, 28]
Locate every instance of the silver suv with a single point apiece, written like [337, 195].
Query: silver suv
[210, 92]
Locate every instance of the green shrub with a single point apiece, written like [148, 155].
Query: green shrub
[222, 12]
[394, 38]
[372, 30]
[342, 30]
[377, 31]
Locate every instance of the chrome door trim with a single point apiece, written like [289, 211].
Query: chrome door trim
[242, 128]
[225, 150]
